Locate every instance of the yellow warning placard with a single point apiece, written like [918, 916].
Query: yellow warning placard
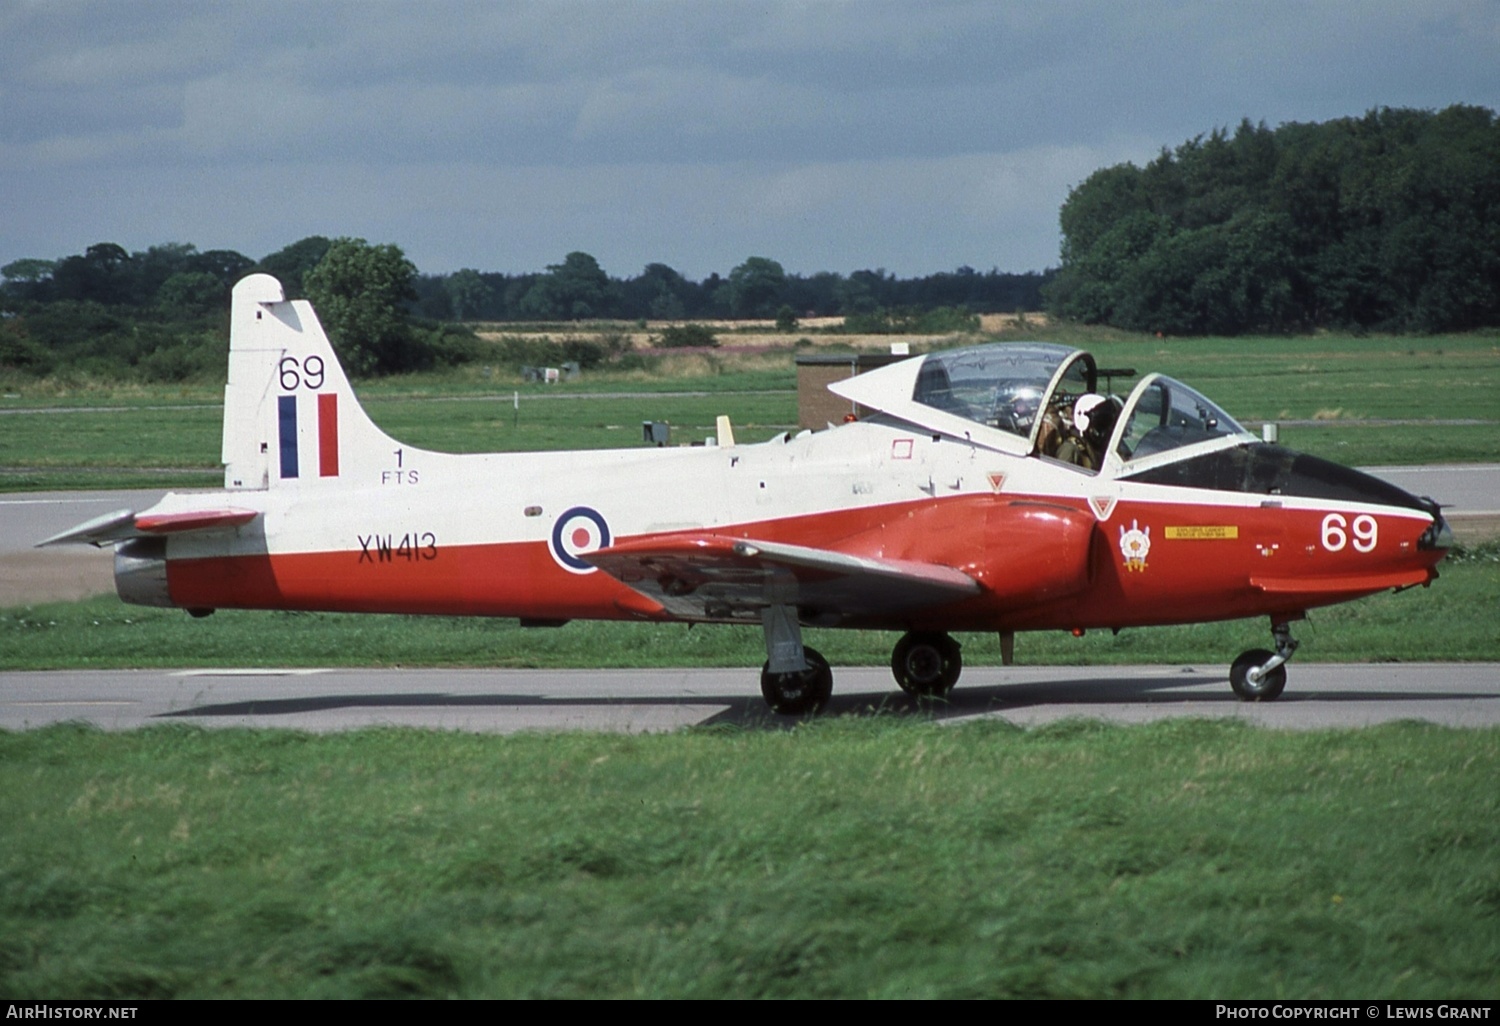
[1204, 532]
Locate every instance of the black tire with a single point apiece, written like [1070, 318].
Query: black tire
[1267, 689]
[926, 663]
[796, 694]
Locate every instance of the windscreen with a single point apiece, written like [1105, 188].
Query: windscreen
[1164, 414]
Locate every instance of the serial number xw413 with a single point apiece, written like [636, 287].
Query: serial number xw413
[384, 548]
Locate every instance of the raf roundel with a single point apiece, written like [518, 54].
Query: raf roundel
[578, 531]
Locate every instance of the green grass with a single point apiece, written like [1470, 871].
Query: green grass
[1454, 619]
[149, 445]
[1370, 445]
[486, 425]
[138, 436]
[1436, 377]
[866, 857]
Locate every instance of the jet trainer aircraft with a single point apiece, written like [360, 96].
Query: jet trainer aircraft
[994, 488]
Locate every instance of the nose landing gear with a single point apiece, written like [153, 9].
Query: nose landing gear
[1260, 676]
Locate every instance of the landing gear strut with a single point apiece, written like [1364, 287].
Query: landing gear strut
[796, 679]
[1260, 676]
[926, 663]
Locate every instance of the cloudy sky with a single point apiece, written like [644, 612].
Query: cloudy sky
[827, 135]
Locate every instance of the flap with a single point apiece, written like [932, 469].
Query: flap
[711, 577]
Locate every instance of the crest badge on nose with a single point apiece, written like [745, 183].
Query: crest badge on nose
[1135, 545]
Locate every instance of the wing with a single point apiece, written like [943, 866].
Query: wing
[710, 577]
[124, 523]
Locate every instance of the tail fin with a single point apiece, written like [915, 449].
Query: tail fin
[290, 417]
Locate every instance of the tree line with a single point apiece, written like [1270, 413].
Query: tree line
[159, 313]
[1390, 221]
[578, 288]
[175, 279]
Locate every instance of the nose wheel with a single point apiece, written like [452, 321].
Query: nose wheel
[926, 663]
[1259, 675]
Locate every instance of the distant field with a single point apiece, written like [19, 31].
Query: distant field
[116, 436]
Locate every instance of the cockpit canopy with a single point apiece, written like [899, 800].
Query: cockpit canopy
[1163, 414]
[1004, 386]
[1021, 398]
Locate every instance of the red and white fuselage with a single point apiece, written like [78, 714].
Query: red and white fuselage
[941, 511]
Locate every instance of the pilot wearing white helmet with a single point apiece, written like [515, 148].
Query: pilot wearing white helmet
[1086, 403]
[1093, 418]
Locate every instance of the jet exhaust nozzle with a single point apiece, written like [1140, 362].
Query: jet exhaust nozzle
[141, 572]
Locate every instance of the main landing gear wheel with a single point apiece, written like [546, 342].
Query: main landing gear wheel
[803, 691]
[926, 664]
[1266, 686]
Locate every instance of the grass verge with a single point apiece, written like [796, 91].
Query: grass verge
[867, 857]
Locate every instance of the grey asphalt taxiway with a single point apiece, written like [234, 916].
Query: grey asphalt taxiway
[505, 701]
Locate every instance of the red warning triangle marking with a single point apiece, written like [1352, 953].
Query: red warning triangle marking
[1103, 505]
[997, 481]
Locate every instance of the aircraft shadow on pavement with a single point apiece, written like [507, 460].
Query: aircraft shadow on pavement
[1084, 693]
[1191, 693]
[963, 701]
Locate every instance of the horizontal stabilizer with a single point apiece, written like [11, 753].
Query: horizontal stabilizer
[199, 520]
[717, 578]
[124, 523]
[99, 531]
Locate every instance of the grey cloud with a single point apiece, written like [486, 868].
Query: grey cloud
[501, 135]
